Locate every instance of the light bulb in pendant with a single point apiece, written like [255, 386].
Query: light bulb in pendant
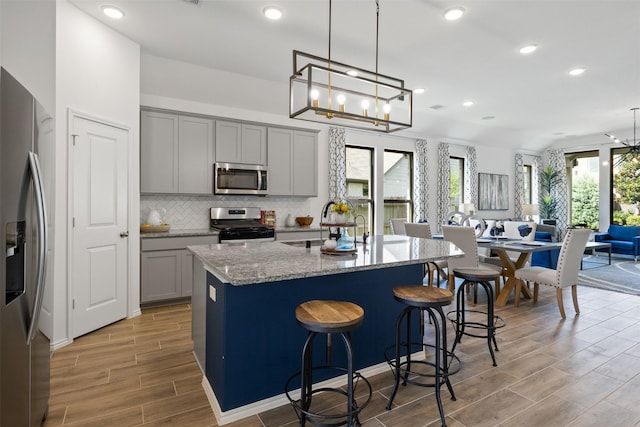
[387, 109]
[365, 107]
[314, 97]
[341, 100]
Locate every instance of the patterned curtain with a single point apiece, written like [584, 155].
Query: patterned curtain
[421, 182]
[519, 190]
[444, 170]
[556, 159]
[471, 177]
[337, 163]
[535, 190]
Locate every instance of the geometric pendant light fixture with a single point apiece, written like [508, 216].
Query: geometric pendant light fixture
[634, 145]
[326, 91]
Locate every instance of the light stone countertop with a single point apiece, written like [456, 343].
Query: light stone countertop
[180, 233]
[297, 229]
[249, 263]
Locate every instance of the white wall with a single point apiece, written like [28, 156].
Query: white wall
[185, 87]
[27, 43]
[179, 86]
[97, 73]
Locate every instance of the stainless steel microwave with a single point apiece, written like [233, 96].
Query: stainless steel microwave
[233, 178]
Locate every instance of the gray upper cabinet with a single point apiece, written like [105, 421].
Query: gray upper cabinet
[195, 156]
[293, 162]
[176, 153]
[241, 143]
[158, 152]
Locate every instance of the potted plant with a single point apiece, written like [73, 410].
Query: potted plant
[547, 203]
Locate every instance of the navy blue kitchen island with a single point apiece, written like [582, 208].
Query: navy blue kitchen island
[246, 338]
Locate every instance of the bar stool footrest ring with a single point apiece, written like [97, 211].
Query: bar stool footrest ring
[314, 418]
[498, 322]
[453, 360]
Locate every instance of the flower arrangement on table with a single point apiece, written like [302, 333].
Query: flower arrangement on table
[341, 207]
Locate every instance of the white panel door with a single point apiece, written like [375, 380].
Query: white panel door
[100, 203]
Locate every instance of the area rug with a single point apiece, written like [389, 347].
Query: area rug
[623, 275]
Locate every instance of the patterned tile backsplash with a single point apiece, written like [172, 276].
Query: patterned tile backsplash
[192, 212]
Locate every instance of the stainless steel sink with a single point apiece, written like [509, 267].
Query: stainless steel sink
[303, 243]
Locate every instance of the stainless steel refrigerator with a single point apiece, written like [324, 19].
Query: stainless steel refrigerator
[24, 349]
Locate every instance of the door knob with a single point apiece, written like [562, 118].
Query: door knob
[124, 234]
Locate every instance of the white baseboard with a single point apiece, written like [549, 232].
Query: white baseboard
[60, 343]
[226, 417]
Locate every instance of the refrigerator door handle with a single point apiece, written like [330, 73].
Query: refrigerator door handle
[34, 166]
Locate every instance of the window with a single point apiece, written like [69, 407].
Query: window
[359, 175]
[528, 176]
[625, 187]
[583, 175]
[397, 187]
[456, 182]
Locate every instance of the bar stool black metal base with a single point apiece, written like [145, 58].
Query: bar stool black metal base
[441, 365]
[332, 419]
[302, 406]
[486, 330]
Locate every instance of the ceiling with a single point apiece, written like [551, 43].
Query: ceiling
[533, 101]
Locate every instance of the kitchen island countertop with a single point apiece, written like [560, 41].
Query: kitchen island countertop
[229, 317]
[249, 263]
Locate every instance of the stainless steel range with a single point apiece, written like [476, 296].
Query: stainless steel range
[239, 225]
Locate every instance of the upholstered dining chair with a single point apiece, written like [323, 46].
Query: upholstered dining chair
[423, 230]
[565, 275]
[465, 239]
[397, 225]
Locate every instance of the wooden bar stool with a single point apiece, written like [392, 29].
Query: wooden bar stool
[328, 317]
[427, 299]
[473, 277]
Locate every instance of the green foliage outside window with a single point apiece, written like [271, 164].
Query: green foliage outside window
[626, 182]
[586, 202]
[633, 220]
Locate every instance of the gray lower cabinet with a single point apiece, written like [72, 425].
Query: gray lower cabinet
[176, 153]
[162, 275]
[166, 267]
[292, 157]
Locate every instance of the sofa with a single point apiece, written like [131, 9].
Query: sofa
[547, 259]
[624, 239]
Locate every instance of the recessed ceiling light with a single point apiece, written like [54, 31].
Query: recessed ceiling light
[419, 91]
[454, 13]
[577, 71]
[467, 103]
[272, 13]
[352, 73]
[112, 12]
[528, 49]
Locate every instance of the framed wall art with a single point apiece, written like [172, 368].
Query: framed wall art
[493, 192]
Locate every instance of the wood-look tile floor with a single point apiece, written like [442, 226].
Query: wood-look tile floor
[582, 371]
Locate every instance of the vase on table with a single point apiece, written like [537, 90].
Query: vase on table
[341, 218]
[345, 242]
[290, 221]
